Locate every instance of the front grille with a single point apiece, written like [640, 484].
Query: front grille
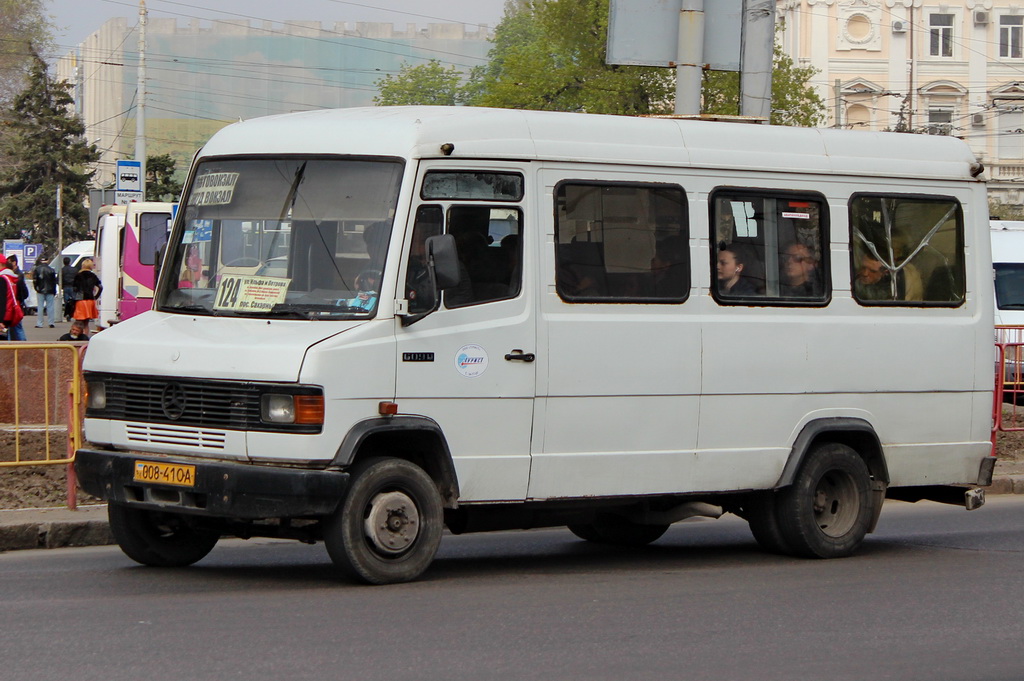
[193, 403]
[173, 435]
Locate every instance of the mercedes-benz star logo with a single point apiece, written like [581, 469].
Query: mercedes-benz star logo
[173, 401]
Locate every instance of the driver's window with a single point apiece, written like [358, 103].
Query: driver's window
[419, 290]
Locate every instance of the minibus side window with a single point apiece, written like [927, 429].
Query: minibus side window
[770, 247]
[621, 242]
[907, 250]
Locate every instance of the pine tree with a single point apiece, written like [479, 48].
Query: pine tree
[44, 147]
[160, 182]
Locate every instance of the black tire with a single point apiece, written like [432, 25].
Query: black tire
[760, 512]
[617, 531]
[159, 539]
[389, 525]
[828, 509]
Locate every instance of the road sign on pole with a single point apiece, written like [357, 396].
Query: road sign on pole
[129, 182]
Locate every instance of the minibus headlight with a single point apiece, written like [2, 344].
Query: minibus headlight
[299, 409]
[97, 395]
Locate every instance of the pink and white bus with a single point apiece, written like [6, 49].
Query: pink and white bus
[128, 247]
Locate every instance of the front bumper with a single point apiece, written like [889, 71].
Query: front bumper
[222, 489]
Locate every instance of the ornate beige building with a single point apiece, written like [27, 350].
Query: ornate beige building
[947, 68]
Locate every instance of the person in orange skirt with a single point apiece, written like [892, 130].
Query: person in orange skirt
[87, 290]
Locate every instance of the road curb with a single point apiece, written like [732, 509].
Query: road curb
[54, 528]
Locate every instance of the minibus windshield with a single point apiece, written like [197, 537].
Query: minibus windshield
[294, 238]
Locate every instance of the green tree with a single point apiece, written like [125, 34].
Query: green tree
[428, 83]
[160, 182]
[24, 28]
[45, 148]
[550, 54]
[794, 100]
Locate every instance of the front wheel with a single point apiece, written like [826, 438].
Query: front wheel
[159, 539]
[828, 509]
[388, 528]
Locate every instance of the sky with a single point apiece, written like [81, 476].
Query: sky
[77, 19]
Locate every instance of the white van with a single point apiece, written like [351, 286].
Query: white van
[373, 323]
[77, 252]
[1008, 263]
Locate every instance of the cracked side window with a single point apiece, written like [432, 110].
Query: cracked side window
[907, 250]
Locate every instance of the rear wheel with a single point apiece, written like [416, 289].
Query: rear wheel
[159, 539]
[828, 509]
[617, 531]
[388, 528]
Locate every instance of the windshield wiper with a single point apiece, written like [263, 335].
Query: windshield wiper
[303, 310]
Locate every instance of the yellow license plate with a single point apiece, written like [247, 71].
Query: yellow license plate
[165, 473]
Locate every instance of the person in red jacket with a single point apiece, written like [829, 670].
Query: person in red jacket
[11, 313]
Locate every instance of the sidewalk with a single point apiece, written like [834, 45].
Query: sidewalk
[53, 528]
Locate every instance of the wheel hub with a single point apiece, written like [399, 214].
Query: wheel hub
[392, 522]
[835, 504]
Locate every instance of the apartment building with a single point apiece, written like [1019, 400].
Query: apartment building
[946, 68]
[203, 75]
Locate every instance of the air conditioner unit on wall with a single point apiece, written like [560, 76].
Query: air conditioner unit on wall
[978, 120]
[899, 26]
[980, 18]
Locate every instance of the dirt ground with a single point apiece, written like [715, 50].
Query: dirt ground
[38, 485]
[41, 486]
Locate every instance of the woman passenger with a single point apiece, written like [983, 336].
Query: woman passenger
[731, 282]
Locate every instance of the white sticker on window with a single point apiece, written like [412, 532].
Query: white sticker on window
[797, 216]
[471, 360]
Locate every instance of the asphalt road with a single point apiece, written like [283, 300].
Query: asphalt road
[935, 594]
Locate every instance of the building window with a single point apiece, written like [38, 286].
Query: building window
[619, 242]
[1010, 139]
[940, 121]
[941, 30]
[1011, 36]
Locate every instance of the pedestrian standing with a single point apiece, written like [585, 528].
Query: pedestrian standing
[44, 281]
[11, 313]
[20, 287]
[67, 286]
[87, 290]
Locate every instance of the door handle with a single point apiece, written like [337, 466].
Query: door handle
[520, 356]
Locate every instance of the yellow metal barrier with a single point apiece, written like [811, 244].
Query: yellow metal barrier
[41, 402]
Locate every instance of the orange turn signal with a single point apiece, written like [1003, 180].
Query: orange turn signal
[309, 409]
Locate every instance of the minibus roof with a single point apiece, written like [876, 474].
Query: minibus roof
[480, 133]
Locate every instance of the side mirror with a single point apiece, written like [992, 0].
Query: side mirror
[443, 269]
[443, 260]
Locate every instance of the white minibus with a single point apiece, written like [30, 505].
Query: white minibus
[129, 243]
[372, 324]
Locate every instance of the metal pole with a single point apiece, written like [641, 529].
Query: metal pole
[757, 48]
[689, 53]
[838, 91]
[60, 220]
[140, 116]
